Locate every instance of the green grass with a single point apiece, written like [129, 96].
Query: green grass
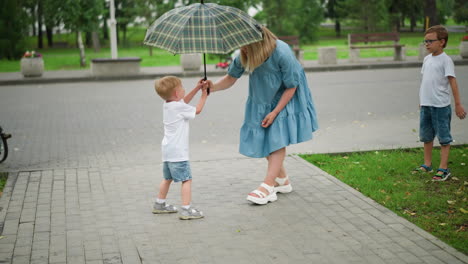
[440, 208]
[3, 179]
[68, 58]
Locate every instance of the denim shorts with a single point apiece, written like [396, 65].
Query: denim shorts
[435, 121]
[177, 171]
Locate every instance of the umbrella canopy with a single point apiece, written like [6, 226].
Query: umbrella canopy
[203, 28]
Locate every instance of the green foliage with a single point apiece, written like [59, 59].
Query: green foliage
[385, 176]
[13, 29]
[3, 180]
[461, 11]
[277, 16]
[81, 15]
[367, 14]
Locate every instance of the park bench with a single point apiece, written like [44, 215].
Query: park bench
[60, 44]
[104, 67]
[293, 41]
[374, 41]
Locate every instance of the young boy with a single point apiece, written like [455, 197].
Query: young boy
[438, 74]
[175, 144]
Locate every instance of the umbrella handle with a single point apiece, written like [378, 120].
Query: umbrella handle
[204, 66]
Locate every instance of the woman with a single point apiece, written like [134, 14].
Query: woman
[279, 110]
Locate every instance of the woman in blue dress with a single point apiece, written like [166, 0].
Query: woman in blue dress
[279, 110]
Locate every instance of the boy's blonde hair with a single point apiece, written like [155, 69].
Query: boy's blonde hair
[441, 32]
[258, 52]
[166, 86]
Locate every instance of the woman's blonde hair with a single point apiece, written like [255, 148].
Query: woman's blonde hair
[165, 86]
[258, 52]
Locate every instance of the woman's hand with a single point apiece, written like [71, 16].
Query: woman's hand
[269, 119]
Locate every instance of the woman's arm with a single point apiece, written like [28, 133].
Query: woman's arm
[284, 100]
[224, 83]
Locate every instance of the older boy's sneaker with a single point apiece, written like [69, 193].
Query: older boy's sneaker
[190, 213]
[163, 208]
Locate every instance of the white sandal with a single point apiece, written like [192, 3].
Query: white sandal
[282, 188]
[263, 197]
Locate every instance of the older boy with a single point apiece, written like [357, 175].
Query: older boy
[175, 144]
[438, 76]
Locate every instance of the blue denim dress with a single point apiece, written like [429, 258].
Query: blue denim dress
[295, 123]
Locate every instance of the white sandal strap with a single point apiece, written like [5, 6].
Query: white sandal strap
[281, 181]
[259, 193]
[269, 188]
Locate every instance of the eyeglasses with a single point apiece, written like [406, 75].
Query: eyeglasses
[429, 41]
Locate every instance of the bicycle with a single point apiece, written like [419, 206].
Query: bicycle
[3, 145]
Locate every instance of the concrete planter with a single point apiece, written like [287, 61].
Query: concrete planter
[464, 49]
[327, 55]
[32, 67]
[191, 62]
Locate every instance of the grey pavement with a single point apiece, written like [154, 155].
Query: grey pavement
[85, 166]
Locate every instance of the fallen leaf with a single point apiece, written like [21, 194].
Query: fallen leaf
[451, 202]
[463, 211]
[409, 212]
[443, 224]
[414, 130]
[463, 164]
[345, 157]
[465, 183]
[455, 179]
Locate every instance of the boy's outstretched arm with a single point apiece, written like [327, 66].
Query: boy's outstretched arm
[202, 101]
[188, 97]
[459, 110]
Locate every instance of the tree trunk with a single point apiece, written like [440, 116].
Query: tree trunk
[337, 28]
[49, 34]
[88, 39]
[40, 43]
[96, 43]
[412, 22]
[105, 29]
[430, 12]
[82, 50]
[151, 51]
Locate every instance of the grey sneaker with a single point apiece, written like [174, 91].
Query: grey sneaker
[163, 208]
[191, 213]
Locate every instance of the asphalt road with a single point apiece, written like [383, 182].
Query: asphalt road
[96, 124]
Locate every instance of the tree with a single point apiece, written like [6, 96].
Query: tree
[461, 11]
[81, 16]
[291, 17]
[367, 14]
[430, 13]
[13, 29]
[332, 11]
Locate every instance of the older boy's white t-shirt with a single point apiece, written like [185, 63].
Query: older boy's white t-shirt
[435, 87]
[175, 144]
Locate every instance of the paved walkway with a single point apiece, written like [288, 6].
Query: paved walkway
[101, 213]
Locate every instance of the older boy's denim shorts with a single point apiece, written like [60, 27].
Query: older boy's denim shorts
[177, 171]
[435, 121]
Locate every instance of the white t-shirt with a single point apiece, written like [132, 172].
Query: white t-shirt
[175, 144]
[435, 87]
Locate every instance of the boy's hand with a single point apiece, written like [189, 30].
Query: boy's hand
[200, 84]
[460, 111]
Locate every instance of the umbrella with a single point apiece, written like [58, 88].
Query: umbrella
[203, 28]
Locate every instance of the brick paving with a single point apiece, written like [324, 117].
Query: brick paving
[89, 201]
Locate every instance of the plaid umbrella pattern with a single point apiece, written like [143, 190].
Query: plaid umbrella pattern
[203, 28]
